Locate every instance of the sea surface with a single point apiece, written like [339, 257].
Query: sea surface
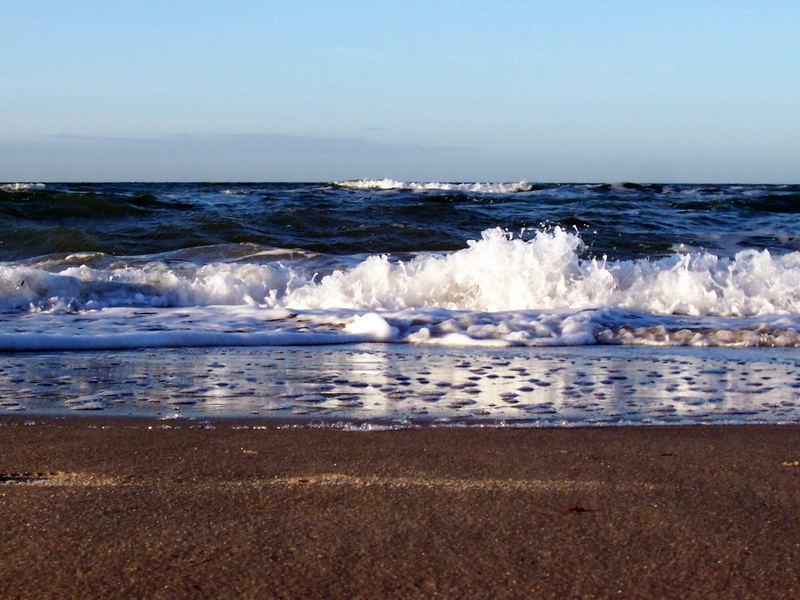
[402, 269]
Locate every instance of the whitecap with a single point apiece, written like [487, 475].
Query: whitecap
[21, 187]
[477, 188]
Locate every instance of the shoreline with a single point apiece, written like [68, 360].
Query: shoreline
[260, 422]
[115, 506]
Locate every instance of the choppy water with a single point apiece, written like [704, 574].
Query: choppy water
[102, 266]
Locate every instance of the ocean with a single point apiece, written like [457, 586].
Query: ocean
[449, 274]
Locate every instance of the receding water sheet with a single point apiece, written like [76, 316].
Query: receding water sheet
[403, 385]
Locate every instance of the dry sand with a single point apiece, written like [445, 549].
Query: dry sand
[110, 508]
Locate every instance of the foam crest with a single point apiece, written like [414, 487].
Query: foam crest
[477, 188]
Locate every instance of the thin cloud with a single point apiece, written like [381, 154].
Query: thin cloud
[211, 157]
[264, 143]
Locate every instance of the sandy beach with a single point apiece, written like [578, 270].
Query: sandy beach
[112, 507]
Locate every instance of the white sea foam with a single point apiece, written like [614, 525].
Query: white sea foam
[497, 290]
[372, 325]
[498, 273]
[21, 187]
[477, 188]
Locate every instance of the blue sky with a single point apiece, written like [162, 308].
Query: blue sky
[543, 91]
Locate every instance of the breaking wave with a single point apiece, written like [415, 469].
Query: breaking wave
[495, 273]
[497, 290]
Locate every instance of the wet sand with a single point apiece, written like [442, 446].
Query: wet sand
[110, 507]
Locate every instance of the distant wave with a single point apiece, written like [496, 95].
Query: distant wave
[475, 188]
[21, 187]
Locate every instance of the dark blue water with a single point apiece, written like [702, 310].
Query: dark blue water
[619, 220]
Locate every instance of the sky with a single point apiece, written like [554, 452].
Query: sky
[174, 90]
